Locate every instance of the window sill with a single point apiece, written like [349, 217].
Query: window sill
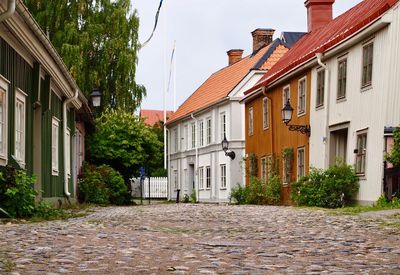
[320, 107]
[266, 128]
[208, 189]
[341, 99]
[366, 88]
[285, 184]
[54, 173]
[301, 114]
[361, 176]
[223, 188]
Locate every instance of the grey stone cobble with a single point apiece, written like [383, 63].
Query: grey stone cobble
[202, 239]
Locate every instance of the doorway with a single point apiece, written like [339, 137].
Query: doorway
[190, 179]
[338, 146]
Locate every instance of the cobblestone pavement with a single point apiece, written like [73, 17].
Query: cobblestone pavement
[202, 239]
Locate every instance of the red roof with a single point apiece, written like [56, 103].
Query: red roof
[324, 38]
[221, 83]
[152, 117]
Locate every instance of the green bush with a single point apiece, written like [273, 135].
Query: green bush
[239, 194]
[103, 185]
[17, 193]
[383, 202]
[394, 155]
[331, 188]
[193, 198]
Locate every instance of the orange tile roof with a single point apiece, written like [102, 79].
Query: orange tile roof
[326, 37]
[152, 117]
[221, 83]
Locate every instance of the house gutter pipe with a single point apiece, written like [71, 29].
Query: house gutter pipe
[327, 90]
[168, 166]
[9, 12]
[65, 104]
[197, 159]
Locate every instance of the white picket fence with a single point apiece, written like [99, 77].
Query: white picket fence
[158, 188]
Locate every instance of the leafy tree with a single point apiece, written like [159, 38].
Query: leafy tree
[124, 142]
[98, 41]
[394, 155]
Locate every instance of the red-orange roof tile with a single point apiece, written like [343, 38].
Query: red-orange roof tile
[322, 39]
[152, 117]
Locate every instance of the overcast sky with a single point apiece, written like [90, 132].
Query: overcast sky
[204, 31]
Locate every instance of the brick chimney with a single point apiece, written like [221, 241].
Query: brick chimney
[261, 38]
[319, 13]
[234, 56]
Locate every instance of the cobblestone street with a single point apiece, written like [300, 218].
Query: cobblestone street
[202, 239]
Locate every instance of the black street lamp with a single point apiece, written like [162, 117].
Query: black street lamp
[225, 147]
[287, 113]
[96, 97]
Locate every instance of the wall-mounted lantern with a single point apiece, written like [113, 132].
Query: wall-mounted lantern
[96, 97]
[225, 147]
[287, 113]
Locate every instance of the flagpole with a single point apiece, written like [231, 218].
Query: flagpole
[165, 88]
[175, 77]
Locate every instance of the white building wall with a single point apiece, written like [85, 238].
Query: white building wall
[371, 109]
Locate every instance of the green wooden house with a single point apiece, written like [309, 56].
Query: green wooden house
[41, 106]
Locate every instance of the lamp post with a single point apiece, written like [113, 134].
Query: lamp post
[96, 97]
[287, 113]
[225, 147]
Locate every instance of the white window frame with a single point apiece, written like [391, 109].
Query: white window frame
[341, 79]
[176, 179]
[285, 94]
[208, 177]
[201, 133]
[176, 140]
[320, 96]
[301, 112]
[251, 121]
[201, 178]
[185, 138]
[361, 155]
[68, 152]
[223, 176]
[20, 98]
[265, 113]
[193, 135]
[301, 167]
[364, 46]
[222, 117]
[4, 84]
[263, 165]
[55, 145]
[209, 133]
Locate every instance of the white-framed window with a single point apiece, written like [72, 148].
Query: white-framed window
[361, 152]
[264, 169]
[176, 179]
[55, 131]
[285, 95]
[301, 171]
[368, 58]
[208, 177]
[201, 133]
[342, 78]
[320, 88]
[265, 113]
[251, 121]
[20, 129]
[201, 178]
[270, 166]
[209, 130]
[68, 152]
[3, 120]
[222, 117]
[193, 127]
[301, 103]
[223, 176]
[185, 138]
[176, 140]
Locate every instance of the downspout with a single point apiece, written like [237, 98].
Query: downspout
[65, 104]
[9, 12]
[327, 89]
[197, 158]
[167, 161]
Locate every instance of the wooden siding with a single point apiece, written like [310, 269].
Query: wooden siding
[277, 137]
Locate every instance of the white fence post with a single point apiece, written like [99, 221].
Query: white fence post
[158, 188]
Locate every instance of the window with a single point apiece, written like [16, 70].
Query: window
[3, 120]
[208, 130]
[68, 151]
[223, 176]
[20, 107]
[55, 145]
[320, 88]
[301, 106]
[185, 138]
[176, 140]
[361, 153]
[201, 178]
[285, 95]
[250, 121]
[208, 177]
[265, 113]
[368, 52]
[287, 171]
[264, 169]
[342, 78]
[270, 166]
[193, 135]
[223, 125]
[201, 134]
[176, 179]
[301, 172]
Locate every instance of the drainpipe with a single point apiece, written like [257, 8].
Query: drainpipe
[197, 158]
[167, 161]
[9, 12]
[65, 104]
[327, 89]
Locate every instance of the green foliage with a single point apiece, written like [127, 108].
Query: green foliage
[46, 211]
[17, 193]
[394, 155]
[253, 163]
[186, 198]
[193, 197]
[125, 143]
[103, 185]
[331, 188]
[98, 41]
[239, 194]
[384, 203]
